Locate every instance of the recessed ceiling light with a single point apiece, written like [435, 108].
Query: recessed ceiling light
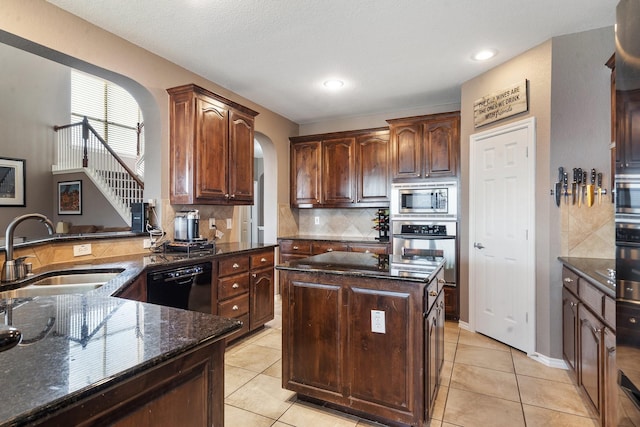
[333, 84]
[484, 54]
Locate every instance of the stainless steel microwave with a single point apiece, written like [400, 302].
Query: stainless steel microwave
[627, 194]
[439, 198]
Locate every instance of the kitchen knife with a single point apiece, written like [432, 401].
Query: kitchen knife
[574, 186]
[584, 187]
[559, 185]
[599, 188]
[579, 186]
[591, 188]
[565, 185]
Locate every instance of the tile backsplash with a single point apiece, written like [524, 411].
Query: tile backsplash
[588, 232]
[353, 223]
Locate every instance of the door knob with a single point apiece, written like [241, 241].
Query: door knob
[478, 245]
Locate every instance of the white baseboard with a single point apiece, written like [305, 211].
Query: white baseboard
[465, 326]
[548, 361]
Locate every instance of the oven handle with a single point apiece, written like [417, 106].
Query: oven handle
[421, 237]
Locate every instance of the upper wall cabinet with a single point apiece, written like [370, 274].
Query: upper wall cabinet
[211, 148]
[341, 169]
[425, 146]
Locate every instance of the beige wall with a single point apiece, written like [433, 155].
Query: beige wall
[568, 96]
[145, 75]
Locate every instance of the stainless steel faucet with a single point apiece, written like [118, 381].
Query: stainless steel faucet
[16, 269]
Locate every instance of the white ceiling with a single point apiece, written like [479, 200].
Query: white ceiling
[392, 54]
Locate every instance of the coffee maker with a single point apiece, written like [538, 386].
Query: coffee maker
[187, 226]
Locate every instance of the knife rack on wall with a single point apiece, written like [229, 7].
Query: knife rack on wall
[584, 188]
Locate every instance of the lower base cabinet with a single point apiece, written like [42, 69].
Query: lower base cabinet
[333, 353]
[185, 391]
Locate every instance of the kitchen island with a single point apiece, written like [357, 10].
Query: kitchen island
[364, 333]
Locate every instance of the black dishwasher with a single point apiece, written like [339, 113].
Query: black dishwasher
[187, 287]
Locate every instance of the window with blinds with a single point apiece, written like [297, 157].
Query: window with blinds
[110, 109]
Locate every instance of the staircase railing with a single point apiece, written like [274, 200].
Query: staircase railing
[81, 147]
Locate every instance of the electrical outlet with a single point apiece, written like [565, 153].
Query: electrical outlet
[212, 223]
[79, 250]
[316, 220]
[377, 322]
[152, 203]
[229, 223]
[146, 243]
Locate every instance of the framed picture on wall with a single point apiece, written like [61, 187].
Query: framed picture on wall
[70, 198]
[12, 182]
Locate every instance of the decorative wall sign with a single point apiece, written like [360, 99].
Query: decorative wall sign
[12, 182]
[70, 198]
[501, 104]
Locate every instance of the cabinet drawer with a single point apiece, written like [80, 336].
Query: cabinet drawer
[262, 259]
[591, 297]
[233, 265]
[322, 247]
[234, 307]
[242, 331]
[232, 286]
[610, 311]
[570, 280]
[302, 247]
[368, 248]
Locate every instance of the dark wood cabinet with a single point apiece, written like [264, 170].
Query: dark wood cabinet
[627, 131]
[302, 248]
[211, 148]
[341, 169]
[245, 289]
[425, 146]
[589, 342]
[333, 352]
[451, 302]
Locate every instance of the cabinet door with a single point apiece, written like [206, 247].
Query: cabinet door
[312, 354]
[181, 144]
[373, 169]
[440, 334]
[430, 360]
[240, 158]
[370, 248]
[406, 151]
[262, 300]
[211, 147]
[610, 379]
[590, 355]
[628, 131]
[570, 329]
[386, 357]
[305, 173]
[440, 147]
[338, 172]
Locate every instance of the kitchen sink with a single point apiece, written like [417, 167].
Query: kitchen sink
[62, 283]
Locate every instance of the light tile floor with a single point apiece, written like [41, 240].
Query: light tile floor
[484, 383]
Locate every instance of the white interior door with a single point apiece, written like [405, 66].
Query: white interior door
[502, 278]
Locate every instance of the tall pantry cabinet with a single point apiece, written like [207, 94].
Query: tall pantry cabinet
[211, 148]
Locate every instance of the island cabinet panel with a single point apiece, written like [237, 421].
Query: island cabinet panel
[186, 391]
[313, 340]
[375, 359]
[570, 329]
[341, 169]
[591, 350]
[210, 148]
[358, 343]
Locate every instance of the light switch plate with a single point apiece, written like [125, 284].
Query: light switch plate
[212, 223]
[316, 220]
[378, 322]
[229, 223]
[79, 250]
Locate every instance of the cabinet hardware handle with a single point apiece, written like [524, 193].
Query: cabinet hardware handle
[233, 196]
[295, 248]
[235, 308]
[254, 275]
[572, 304]
[263, 260]
[632, 320]
[226, 196]
[235, 286]
[235, 265]
[367, 251]
[433, 294]
[567, 280]
[611, 350]
[330, 250]
[441, 281]
[596, 331]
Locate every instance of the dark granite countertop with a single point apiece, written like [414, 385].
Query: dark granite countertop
[594, 270]
[395, 267]
[75, 346]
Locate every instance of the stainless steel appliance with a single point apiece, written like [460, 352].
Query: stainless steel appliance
[628, 213]
[186, 287]
[415, 238]
[187, 226]
[426, 199]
